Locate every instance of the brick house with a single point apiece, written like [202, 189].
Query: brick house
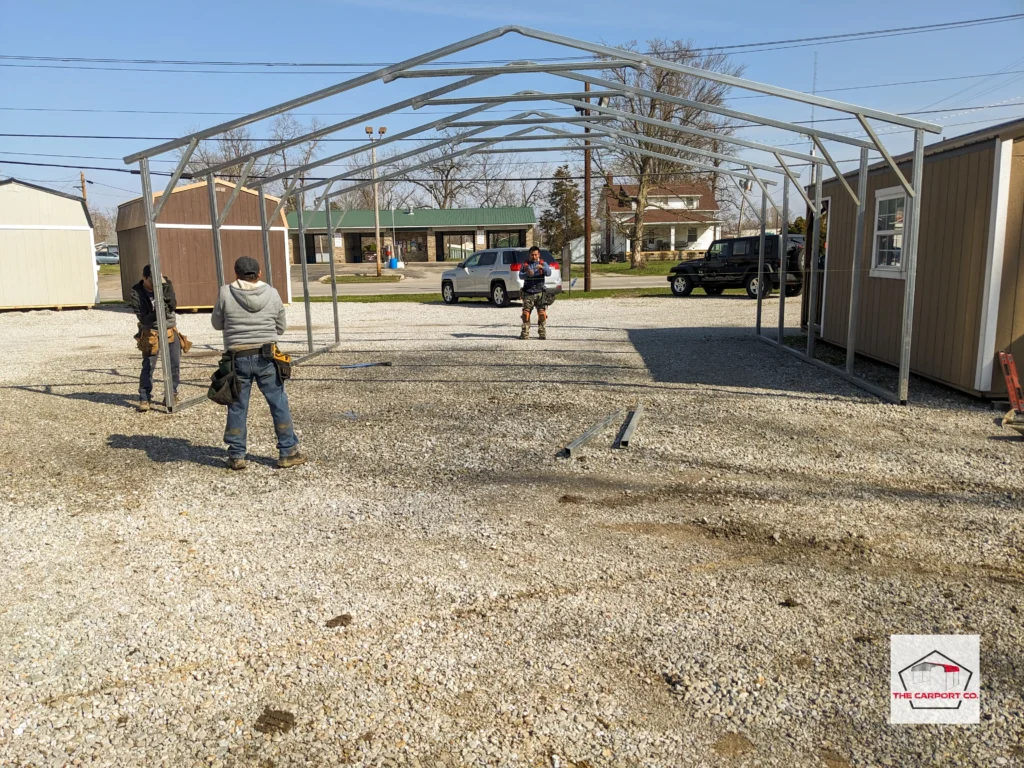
[414, 234]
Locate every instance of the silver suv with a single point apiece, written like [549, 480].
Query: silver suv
[494, 274]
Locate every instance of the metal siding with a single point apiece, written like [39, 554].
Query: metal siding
[25, 206]
[45, 268]
[955, 200]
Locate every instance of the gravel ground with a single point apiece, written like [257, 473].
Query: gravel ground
[721, 593]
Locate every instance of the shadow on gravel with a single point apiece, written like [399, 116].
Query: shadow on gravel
[173, 449]
[729, 357]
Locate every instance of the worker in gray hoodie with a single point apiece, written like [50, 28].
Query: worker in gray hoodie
[252, 317]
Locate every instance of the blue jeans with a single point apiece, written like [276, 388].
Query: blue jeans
[255, 368]
[149, 365]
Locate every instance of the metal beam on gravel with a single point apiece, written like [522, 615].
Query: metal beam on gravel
[593, 432]
[631, 425]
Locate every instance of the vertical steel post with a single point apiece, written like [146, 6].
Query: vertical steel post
[783, 256]
[218, 254]
[760, 262]
[305, 272]
[857, 261]
[268, 271]
[158, 284]
[910, 237]
[334, 276]
[587, 255]
[812, 294]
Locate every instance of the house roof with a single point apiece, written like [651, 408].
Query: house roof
[707, 200]
[1013, 129]
[81, 200]
[657, 216]
[419, 218]
[194, 185]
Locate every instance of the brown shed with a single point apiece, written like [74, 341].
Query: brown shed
[185, 240]
[969, 296]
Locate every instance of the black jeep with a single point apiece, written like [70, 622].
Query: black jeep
[732, 263]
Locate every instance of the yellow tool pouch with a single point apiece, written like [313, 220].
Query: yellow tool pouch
[283, 362]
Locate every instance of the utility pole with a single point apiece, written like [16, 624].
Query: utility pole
[586, 203]
[376, 200]
[85, 196]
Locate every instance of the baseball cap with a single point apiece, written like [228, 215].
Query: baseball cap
[247, 265]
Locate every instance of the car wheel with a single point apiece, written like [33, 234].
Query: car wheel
[448, 293]
[682, 284]
[499, 295]
[710, 291]
[751, 283]
[794, 290]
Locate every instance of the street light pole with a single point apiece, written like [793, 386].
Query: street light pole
[376, 199]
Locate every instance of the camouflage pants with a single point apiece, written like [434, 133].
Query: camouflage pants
[538, 301]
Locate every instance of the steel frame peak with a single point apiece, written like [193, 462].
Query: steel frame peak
[605, 58]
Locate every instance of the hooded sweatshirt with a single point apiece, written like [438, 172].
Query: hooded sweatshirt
[249, 314]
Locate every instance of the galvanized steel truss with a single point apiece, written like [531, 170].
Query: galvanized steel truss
[598, 135]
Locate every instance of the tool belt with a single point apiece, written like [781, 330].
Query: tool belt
[147, 340]
[224, 384]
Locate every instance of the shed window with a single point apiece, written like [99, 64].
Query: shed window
[887, 249]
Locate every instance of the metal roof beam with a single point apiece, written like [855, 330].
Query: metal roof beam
[404, 171]
[608, 131]
[515, 68]
[323, 93]
[885, 155]
[321, 132]
[732, 80]
[694, 131]
[426, 101]
[725, 111]
[527, 121]
[366, 147]
[835, 170]
[796, 182]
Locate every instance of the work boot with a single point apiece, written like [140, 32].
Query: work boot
[525, 334]
[542, 332]
[143, 406]
[235, 464]
[291, 461]
[178, 399]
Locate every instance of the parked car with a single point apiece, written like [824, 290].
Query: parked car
[494, 274]
[108, 256]
[732, 263]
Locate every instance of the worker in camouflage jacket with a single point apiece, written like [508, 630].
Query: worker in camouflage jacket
[532, 274]
[144, 306]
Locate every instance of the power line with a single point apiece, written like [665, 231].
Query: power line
[74, 62]
[873, 86]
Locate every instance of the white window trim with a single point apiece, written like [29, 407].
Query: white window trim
[892, 273]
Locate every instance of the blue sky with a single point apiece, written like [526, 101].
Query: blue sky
[363, 31]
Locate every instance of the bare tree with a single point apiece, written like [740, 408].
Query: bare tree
[104, 224]
[393, 193]
[648, 172]
[447, 180]
[239, 141]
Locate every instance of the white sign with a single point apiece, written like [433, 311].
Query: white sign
[934, 679]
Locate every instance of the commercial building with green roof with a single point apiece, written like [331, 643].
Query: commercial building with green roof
[413, 234]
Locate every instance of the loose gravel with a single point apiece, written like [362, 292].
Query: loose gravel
[437, 587]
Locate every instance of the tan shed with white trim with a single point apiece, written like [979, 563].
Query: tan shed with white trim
[46, 249]
[969, 301]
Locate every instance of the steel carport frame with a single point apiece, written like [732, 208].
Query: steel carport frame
[607, 58]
